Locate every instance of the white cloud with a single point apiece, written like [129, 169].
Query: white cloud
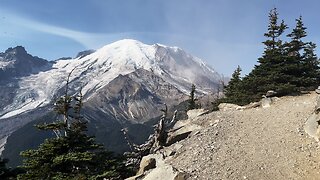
[20, 26]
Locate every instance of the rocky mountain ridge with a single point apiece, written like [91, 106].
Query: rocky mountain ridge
[16, 62]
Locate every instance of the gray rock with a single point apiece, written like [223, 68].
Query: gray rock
[271, 93]
[181, 131]
[311, 126]
[196, 113]
[161, 171]
[228, 107]
[266, 102]
[252, 105]
[317, 108]
[146, 164]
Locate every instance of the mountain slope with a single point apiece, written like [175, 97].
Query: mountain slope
[258, 143]
[96, 70]
[135, 97]
[16, 63]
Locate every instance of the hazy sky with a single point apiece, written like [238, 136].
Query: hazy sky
[224, 33]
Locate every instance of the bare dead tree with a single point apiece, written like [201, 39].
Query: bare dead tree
[62, 107]
[155, 142]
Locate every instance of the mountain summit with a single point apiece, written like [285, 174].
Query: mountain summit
[96, 70]
[16, 62]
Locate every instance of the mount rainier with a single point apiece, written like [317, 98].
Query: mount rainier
[124, 84]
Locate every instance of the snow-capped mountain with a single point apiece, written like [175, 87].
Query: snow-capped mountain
[124, 84]
[97, 69]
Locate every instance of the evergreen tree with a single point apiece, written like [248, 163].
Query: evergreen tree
[233, 91]
[293, 64]
[286, 68]
[268, 74]
[192, 101]
[301, 63]
[72, 154]
[310, 67]
[299, 32]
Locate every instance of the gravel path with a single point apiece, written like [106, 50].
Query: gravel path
[259, 143]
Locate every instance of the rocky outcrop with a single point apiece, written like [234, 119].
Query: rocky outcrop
[154, 167]
[318, 90]
[228, 107]
[181, 130]
[271, 93]
[196, 113]
[312, 125]
[146, 164]
[234, 107]
[266, 102]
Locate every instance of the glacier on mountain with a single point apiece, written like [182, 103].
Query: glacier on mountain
[95, 70]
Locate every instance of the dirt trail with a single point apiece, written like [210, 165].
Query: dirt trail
[259, 143]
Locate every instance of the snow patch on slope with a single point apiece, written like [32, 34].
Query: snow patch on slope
[5, 64]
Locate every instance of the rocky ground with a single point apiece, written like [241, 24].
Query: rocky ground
[256, 143]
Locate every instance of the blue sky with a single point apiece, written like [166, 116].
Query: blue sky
[224, 33]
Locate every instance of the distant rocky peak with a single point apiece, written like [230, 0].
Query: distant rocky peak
[85, 53]
[19, 55]
[16, 50]
[16, 62]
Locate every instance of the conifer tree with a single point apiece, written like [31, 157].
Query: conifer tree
[301, 63]
[293, 64]
[233, 91]
[192, 101]
[72, 154]
[299, 32]
[310, 67]
[286, 68]
[268, 74]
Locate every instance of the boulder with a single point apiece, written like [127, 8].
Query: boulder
[318, 90]
[146, 164]
[271, 93]
[311, 126]
[266, 102]
[196, 113]
[181, 131]
[317, 108]
[252, 105]
[161, 171]
[233, 107]
[228, 107]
